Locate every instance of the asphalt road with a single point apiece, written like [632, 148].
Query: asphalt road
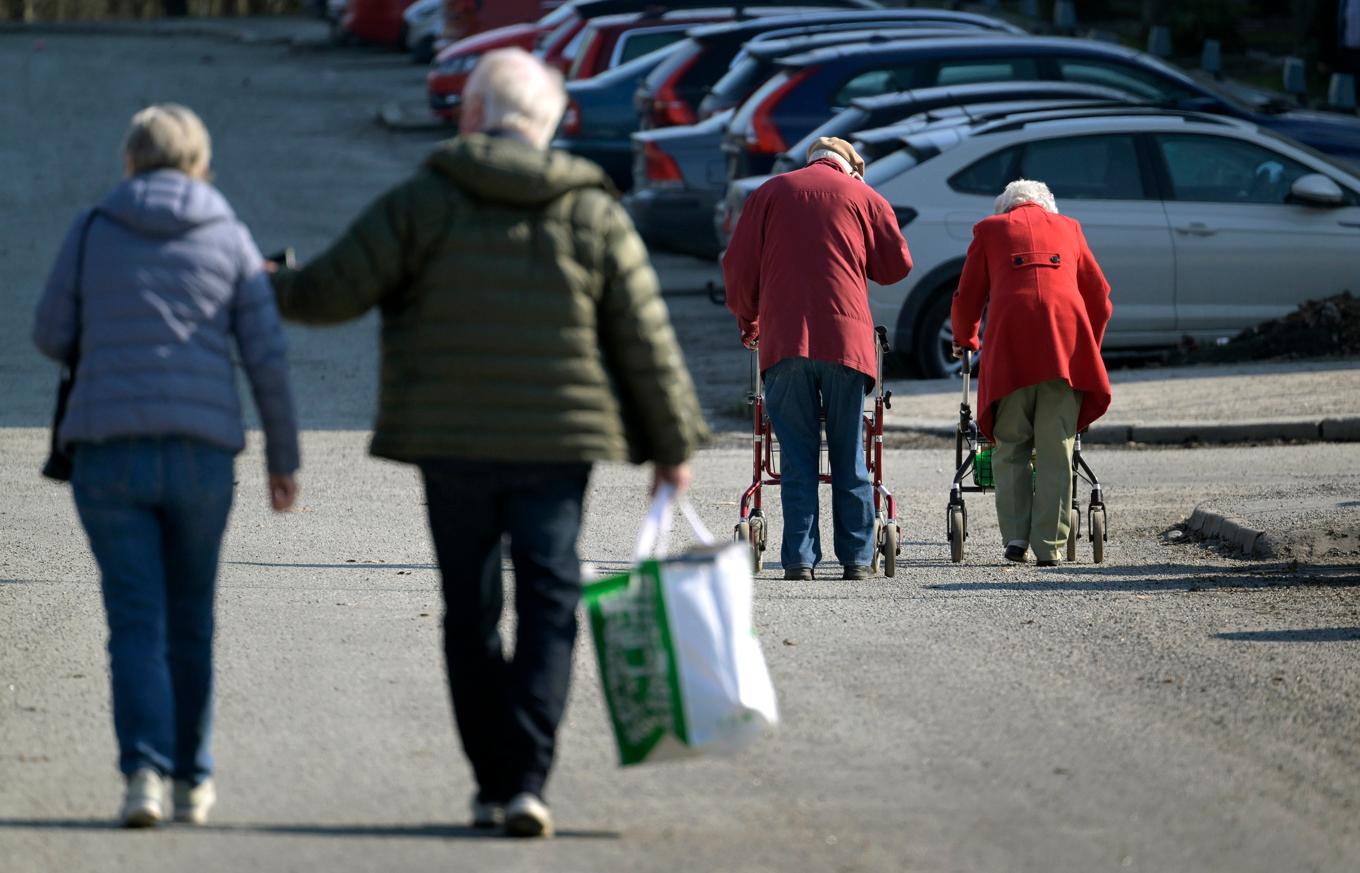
[1171, 710]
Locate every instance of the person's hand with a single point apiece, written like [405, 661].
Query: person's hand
[749, 339]
[270, 267]
[283, 491]
[677, 476]
[958, 351]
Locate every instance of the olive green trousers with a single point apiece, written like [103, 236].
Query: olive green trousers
[1036, 509]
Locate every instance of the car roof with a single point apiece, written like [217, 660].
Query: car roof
[737, 29]
[1030, 45]
[596, 8]
[789, 50]
[978, 114]
[976, 92]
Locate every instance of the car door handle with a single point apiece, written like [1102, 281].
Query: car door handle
[1196, 228]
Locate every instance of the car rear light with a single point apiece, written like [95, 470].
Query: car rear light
[571, 119]
[669, 108]
[659, 168]
[765, 136]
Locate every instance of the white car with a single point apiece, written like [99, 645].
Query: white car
[424, 28]
[1203, 225]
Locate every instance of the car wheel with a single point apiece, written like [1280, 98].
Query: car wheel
[932, 346]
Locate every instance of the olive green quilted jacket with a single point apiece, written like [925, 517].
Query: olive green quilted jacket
[521, 318]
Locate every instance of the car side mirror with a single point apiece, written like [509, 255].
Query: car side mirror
[1315, 189]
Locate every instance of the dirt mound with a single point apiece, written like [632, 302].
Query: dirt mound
[1317, 329]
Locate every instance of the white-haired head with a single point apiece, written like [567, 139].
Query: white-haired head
[511, 90]
[1023, 191]
[167, 136]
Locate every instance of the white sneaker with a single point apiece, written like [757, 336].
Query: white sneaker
[144, 806]
[192, 802]
[527, 816]
[487, 815]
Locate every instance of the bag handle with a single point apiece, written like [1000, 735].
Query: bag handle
[654, 536]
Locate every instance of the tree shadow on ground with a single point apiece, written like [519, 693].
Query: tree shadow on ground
[1165, 577]
[429, 830]
[1302, 635]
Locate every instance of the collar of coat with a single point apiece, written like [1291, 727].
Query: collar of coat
[499, 169]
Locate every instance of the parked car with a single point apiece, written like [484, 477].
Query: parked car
[1200, 222]
[865, 113]
[811, 87]
[378, 22]
[424, 26]
[611, 40]
[672, 92]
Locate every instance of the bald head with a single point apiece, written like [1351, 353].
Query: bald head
[513, 91]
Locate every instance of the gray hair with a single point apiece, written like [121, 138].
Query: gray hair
[167, 136]
[519, 94]
[1025, 191]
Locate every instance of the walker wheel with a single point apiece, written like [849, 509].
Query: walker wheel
[1073, 534]
[1098, 535]
[742, 534]
[875, 560]
[757, 541]
[890, 543]
[956, 534]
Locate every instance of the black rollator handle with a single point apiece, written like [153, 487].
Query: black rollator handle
[967, 362]
[882, 333]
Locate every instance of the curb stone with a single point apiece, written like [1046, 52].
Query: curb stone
[392, 116]
[1338, 430]
[1231, 530]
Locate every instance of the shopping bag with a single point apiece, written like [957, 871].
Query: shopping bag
[682, 669]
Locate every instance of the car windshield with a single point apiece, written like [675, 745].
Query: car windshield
[889, 166]
[740, 79]
[1206, 84]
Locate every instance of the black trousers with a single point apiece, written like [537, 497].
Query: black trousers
[507, 709]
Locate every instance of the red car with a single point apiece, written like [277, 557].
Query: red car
[463, 18]
[375, 21]
[612, 40]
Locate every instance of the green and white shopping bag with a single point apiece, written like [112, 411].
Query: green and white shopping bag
[682, 670]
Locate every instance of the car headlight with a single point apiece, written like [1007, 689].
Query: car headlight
[457, 65]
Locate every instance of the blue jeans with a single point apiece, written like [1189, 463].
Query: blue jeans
[507, 708]
[154, 510]
[796, 390]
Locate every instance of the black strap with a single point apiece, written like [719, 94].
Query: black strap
[74, 357]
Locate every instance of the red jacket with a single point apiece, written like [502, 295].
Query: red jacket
[795, 270]
[1047, 307]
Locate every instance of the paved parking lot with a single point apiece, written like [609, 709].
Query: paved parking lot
[1173, 709]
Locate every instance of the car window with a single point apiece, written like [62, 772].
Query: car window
[871, 83]
[963, 72]
[1085, 167]
[1212, 169]
[637, 44]
[1125, 77]
[587, 38]
[988, 175]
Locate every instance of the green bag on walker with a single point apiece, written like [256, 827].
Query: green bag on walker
[682, 670]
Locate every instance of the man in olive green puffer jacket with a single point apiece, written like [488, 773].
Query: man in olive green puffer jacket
[523, 338]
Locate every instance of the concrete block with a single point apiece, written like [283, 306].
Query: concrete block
[1029, 8]
[1197, 519]
[1341, 430]
[1341, 92]
[1212, 522]
[1065, 16]
[1236, 432]
[1211, 57]
[1107, 434]
[1295, 77]
[1159, 41]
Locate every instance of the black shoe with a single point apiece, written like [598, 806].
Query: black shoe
[1045, 563]
[1016, 554]
[856, 571]
[798, 574]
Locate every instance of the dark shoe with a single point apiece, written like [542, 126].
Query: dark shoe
[486, 814]
[856, 571]
[1016, 554]
[1045, 563]
[798, 574]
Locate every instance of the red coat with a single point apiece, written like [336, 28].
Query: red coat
[796, 268]
[1047, 307]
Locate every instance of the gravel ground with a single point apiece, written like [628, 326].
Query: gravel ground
[1172, 709]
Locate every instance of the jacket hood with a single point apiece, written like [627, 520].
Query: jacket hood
[165, 203]
[504, 170]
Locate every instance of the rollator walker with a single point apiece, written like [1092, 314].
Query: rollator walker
[978, 462]
[754, 529]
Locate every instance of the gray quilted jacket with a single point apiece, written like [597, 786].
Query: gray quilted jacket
[171, 281]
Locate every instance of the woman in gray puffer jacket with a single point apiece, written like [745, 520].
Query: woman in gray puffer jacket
[168, 279]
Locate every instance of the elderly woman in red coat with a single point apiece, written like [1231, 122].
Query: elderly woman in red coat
[1041, 377]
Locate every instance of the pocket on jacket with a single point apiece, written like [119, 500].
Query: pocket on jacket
[1020, 260]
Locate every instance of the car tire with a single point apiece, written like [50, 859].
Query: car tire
[930, 347]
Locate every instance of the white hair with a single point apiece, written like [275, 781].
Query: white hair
[519, 94]
[167, 136]
[1025, 191]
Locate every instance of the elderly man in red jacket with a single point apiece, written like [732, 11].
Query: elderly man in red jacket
[1041, 376]
[796, 274]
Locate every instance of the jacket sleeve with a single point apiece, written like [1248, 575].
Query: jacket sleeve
[264, 356]
[56, 324]
[1095, 291]
[741, 264]
[971, 296]
[889, 260]
[660, 407]
[367, 263]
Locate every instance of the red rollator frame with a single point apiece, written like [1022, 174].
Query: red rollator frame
[753, 528]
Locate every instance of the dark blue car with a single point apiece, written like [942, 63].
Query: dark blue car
[811, 87]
